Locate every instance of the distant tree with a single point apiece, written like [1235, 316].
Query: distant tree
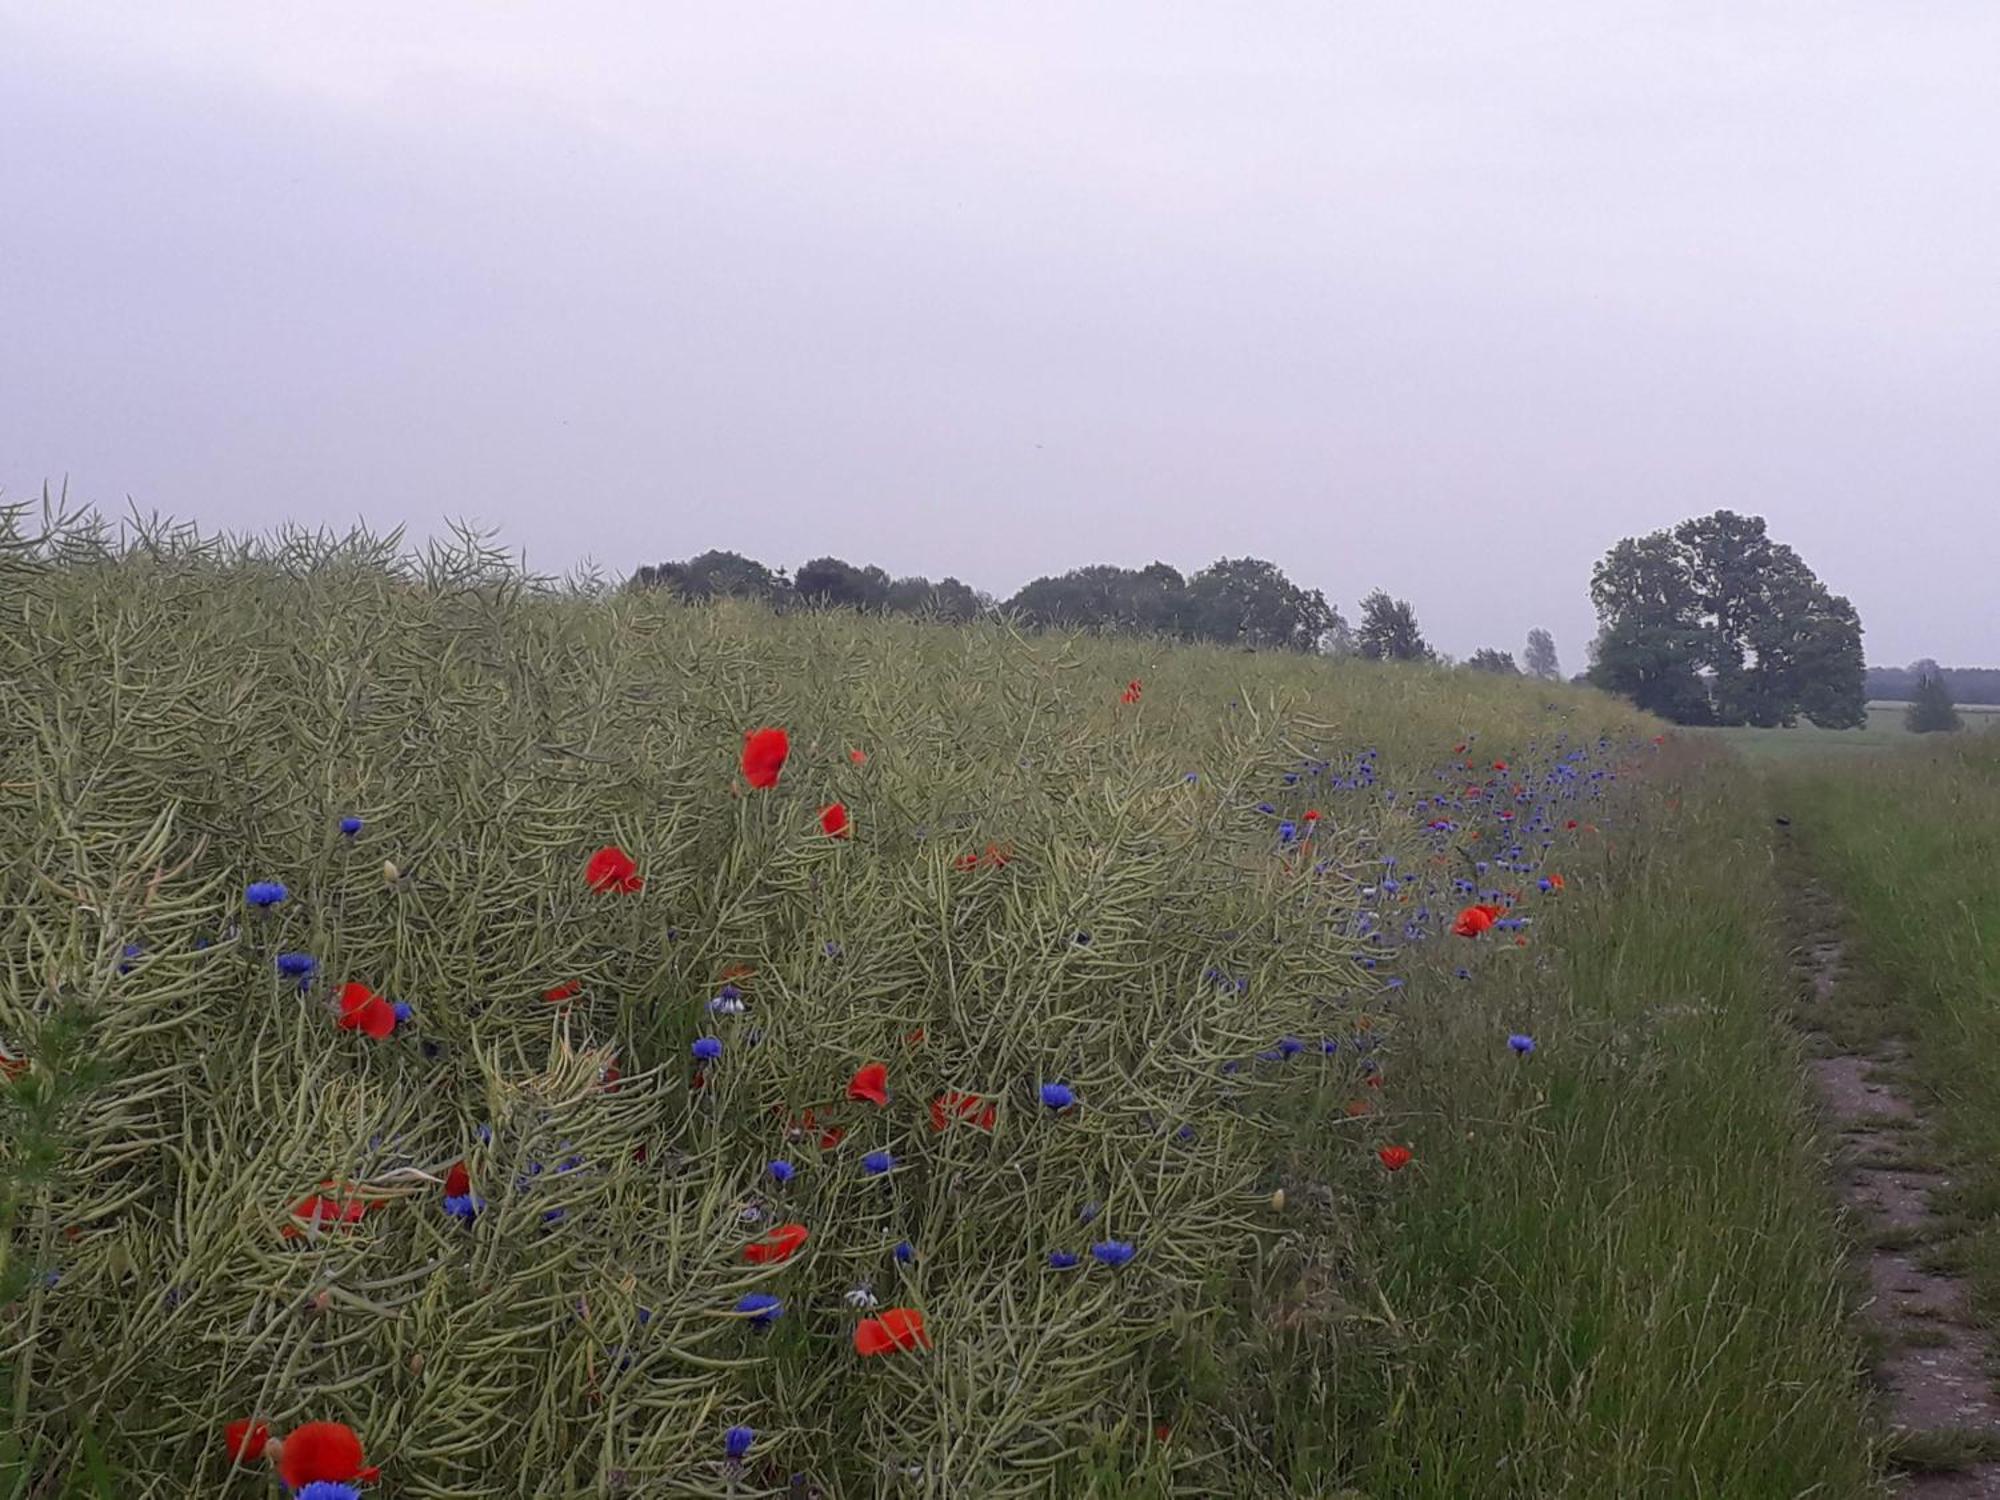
[1389, 630]
[833, 582]
[713, 575]
[947, 599]
[1486, 659]
[1339, 639]
[1540, 658]
[1931, 710]
[1713, 622]
[1103, 597]
[1249, 602]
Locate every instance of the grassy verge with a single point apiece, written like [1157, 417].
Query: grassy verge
[1908, 845]
[1613, 1269]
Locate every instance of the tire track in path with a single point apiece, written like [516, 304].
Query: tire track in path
[1934, 1360]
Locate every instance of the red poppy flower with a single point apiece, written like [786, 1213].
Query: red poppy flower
[457, 1181]
[971, 1108]
[1475, 920]
[1395, 1158]
[1458, 750]
[361, 1009]
[859, 757]
[764, 752]
[833, 818]
[569, 989]
[1312, 815]
[1131, 693]
[612, 871]
[870, 1084]
[1570, 824]
[1356, 1108]
[323, 1451]
[318, 1208]
[12, 1068]
[1555, 882]
[897, 1328]
[1499, 765]
[244, 1440]
[779, 1244]
[829, 1137]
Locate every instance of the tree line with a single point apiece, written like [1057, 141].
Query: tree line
[1246, 602]
[1962, 684]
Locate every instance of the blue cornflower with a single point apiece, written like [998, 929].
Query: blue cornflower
[484, 1134]
[327, 1489]
[1192, 778]
[1546, 884]
[905, 1252]
[1082, 940]
[1288, 832]
[464, 1206]
[404, 1011]
[1290, 1046]
[1089, 1211]
[830, 948]
[761, 1307]
[875, 1163]
[706, 1049]
[1521, 1044]
[781, 1171]
[1058, 1095]
[266, 893]
[298, 966]
[1329, 1045]
[554, 1215]
[1267, 810]
[132, 951]
[1185, 1133]
[350, 825]
[736, 1443]
[1114, 1252]
[645, 1316]
[1062, 1260]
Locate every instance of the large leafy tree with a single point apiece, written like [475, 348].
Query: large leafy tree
[1931, 710]
[713, 575]
[836, 582]
[1491, 659]
[1713, 622]
[1389, 630]
[1248, 601]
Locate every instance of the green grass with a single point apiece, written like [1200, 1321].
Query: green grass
[1884, 731]
[1611, 1268]
[1908, 843]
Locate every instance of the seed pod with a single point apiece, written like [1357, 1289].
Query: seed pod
[1278, 1201]
[390, 874]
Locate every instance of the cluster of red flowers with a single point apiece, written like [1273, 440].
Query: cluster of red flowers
[318, 1452]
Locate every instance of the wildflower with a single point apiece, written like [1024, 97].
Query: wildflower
[1114, 1253]
[1475, 919]
[1521, 1044]
[1131, 693]
[361, 1009]
[612, 871]
[1290, 1046]
[875, 1163]
[764, 752]
[736, 1443]
[322, 1452]
[952, 1105]
[132, 951]
[781, 1171]
[244, 1441]
[1062, 1260]
[904, 1252]
[898, 1328]
[833, 820]
[1395, 1158]
[706, 1049]
[1288, 832]
[858, 757]
[1058, 1095]
[761, 1307]
[862, 1296]
[266, 894]
[404, 1011]
[870, 1084]
[350, 825]
[779, 1244]
[327, 1489]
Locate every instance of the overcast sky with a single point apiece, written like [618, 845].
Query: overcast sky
[1441, 298]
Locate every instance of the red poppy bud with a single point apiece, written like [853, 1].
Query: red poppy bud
[244, 1441]
[833, 819]
[1395, 1158]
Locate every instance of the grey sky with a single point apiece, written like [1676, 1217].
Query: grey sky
[1444, 298]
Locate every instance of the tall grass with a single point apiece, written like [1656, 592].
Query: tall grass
[1909, 843]
[1606, 1271]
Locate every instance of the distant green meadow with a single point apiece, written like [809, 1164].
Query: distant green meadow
[1151, 945]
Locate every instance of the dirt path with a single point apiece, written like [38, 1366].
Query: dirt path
[1933, 1362]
